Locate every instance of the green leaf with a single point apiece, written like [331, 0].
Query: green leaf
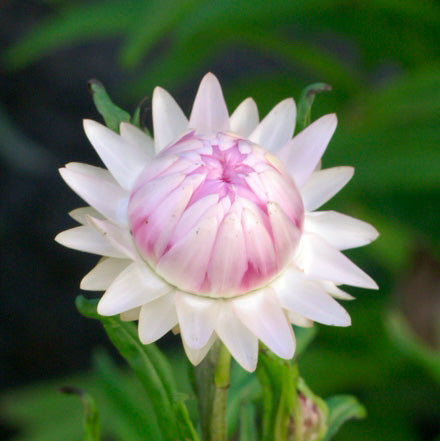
[74, 25]
[135, 418]
[112, 114]
[91, 417]
[140, 357]
[407, 341]
[248, 431]
[341, 409]
[304, 114]
[154, 20]
[185, 426]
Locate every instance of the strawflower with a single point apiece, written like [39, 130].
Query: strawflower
[210, 228]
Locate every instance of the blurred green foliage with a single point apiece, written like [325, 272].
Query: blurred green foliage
[382, 60]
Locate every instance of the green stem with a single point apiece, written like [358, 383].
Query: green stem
[212, 383]
[221, 381]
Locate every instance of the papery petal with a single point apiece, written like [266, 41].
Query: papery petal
[298, 320]
[142, 144]
[169, 122]
[103, 274]
[165, 216]
[135, 286]
[228, 260]
[334, 291]
[86, 239]
[195, 356]
[189, 257]
[80, 214]
[98, 189]
[259, 246]
[240, 341]
[120, 238]
[209, 113]
[284, 232]
[276, 129]
[261, 314]
[130, 315]
[157, 318]
[244, 119]
[341, 231]
[124, 160]
[323, 185]
[320, 260]
[197, 318]
[308, 299]
[302, 154]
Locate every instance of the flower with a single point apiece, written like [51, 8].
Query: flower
[210, 228]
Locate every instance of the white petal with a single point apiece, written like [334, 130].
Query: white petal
[119, 237]
[228, 259]
[276, 129]
[103, 274]
[157, 318]
[261, 314]
[240, 341]
[139, 140]
[308, 299]
[186, 261]
[98, 189]
[303, 153]
[85, 238]
[79, 214]
[195, 356]
[197, 317]
[209, 113]
[319, 260]
[244, 118]
[341, 231]
[130, 315]
[169, 122]
[136, 285]
[323, 185]
[334, 291]
[298, 320]
[124, 160]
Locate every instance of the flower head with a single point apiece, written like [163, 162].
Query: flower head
[211, 227]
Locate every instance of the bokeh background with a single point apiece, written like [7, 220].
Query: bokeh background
[382, 59]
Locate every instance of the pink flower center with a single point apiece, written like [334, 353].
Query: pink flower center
[216, 216]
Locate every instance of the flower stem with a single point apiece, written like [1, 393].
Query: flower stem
[221, 381]
[212, 384]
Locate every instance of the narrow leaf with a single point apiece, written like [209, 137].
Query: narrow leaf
[91, 417]
[341, 409]
[112, 114]
[305, 103]
[124, 336]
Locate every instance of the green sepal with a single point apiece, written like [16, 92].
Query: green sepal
[341, 409]
[148, 363]
[304, 112]
[91, 422]
[112, 114]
